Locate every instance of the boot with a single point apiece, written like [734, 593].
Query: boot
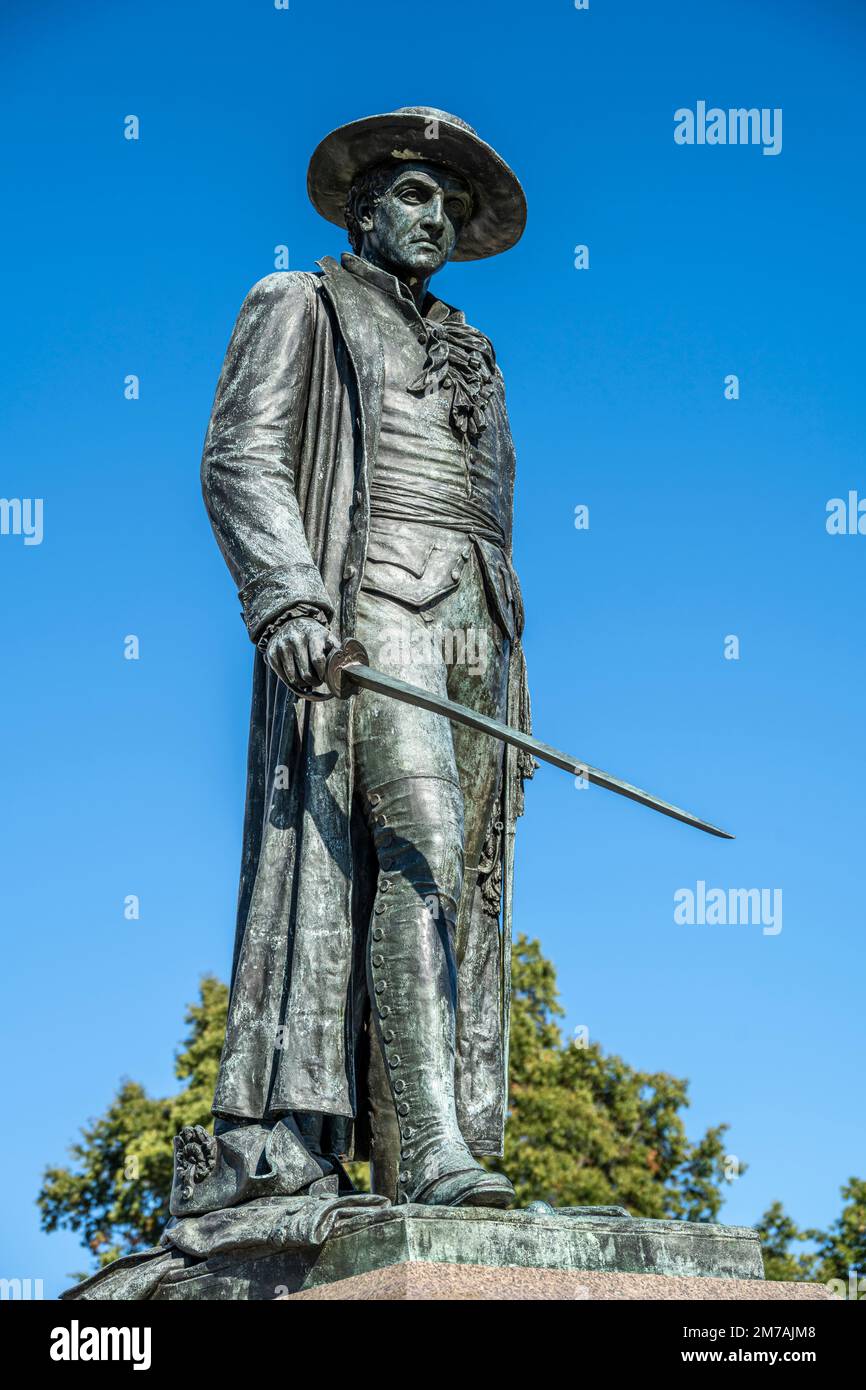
[310, 1127]
[412, 978]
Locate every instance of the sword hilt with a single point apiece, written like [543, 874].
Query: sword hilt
[352, 653]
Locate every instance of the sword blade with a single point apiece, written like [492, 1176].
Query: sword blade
[369, 679]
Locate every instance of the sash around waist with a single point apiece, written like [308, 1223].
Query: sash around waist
[449, 512]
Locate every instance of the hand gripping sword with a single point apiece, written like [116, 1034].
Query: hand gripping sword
[348, 671]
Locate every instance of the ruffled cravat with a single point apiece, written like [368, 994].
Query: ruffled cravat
[462, 359]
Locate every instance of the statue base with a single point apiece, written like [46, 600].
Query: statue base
[414, 1282]
[414, 1245]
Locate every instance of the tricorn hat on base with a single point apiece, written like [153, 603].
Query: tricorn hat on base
[423, 133]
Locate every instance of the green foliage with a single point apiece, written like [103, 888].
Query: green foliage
[586, 1129]
[843, 1248]
[117, 1193]
[834, 1254]
[780, 1238]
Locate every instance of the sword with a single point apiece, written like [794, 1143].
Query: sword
[348, 671]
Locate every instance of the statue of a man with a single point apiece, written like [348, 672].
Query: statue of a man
[359, 473]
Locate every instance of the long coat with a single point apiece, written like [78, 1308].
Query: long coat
[287, 461]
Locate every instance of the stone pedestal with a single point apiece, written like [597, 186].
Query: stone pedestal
[573, 1248]
[476, 1283]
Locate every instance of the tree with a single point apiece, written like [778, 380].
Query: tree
[585, 1129]
[778, 1235]
[117, 1193]
[843, 1248]
[835, 1254]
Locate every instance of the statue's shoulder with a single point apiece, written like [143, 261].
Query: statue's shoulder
[284, 289]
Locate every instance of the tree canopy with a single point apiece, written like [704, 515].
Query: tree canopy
[584, 1128]
[116, 1191]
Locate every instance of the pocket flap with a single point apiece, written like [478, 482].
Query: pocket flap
[404, 552]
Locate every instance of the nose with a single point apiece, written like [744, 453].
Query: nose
[433, 217]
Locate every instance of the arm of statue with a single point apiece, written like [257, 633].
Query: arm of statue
[249, 467]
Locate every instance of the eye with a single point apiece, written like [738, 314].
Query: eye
[456, 207]
[412, 194]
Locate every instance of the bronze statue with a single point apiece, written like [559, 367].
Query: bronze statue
[358, 472]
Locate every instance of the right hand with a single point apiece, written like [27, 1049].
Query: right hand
[298, 652]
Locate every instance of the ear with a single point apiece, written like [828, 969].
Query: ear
[364, 214]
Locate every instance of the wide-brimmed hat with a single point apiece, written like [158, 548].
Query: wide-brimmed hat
[423, 133]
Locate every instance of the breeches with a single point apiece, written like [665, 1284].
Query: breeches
[434, 782]
[427, 790]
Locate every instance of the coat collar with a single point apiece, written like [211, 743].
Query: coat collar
[435, 309]
[458, 358]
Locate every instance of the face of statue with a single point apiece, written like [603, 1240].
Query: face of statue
[414, 226]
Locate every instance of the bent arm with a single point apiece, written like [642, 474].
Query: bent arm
[251, 453]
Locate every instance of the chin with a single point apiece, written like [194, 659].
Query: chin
[425, 262]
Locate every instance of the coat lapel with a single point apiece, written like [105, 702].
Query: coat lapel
[360, 333]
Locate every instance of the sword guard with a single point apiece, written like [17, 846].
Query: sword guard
[351, 653]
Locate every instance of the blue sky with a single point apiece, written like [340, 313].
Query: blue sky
[707, 518]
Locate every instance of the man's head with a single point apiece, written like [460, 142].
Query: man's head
[353, 181]
[406, 217]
